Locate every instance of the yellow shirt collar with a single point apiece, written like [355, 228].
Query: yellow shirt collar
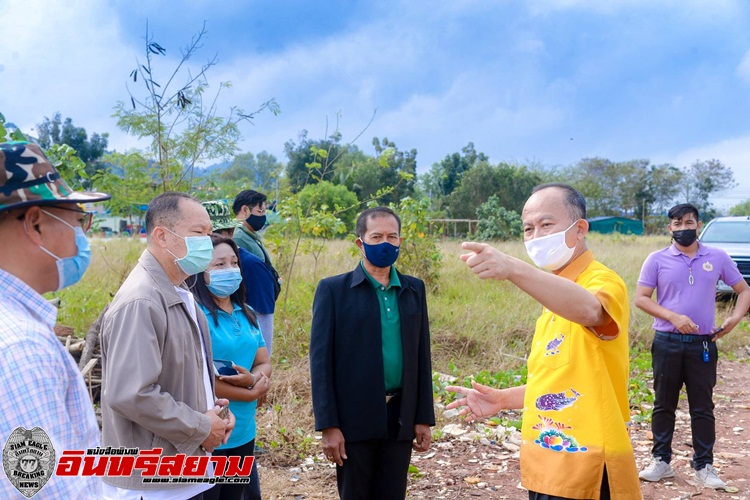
[577, 266]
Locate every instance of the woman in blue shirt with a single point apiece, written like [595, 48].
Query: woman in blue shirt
[235, 337]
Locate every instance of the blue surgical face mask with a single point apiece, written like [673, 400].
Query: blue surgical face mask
[381, 255]
[70, 270]
[224, 282]
[200, 251]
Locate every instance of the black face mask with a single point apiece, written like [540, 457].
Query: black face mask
[686, 237]
[256, 221]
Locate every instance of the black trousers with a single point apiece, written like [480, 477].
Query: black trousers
[228, 491]
[376, 469]
[603, 494]
[675, 363]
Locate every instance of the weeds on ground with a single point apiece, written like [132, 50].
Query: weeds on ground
[640, 395]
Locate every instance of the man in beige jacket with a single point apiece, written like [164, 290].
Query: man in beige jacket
[156, 352]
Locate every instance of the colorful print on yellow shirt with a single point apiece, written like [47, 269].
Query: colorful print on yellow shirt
[553, 438]
[554, 344]
[557, 401]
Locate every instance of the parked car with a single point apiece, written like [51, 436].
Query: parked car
[731, 234]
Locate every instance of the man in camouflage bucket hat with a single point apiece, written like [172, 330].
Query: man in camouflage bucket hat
[28, 178]
[44, 248]
[221, 217]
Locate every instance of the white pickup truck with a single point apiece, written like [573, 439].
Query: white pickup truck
[731, 234]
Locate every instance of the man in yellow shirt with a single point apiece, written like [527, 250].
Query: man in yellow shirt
[575, 442]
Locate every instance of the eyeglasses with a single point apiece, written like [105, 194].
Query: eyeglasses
[85, 222]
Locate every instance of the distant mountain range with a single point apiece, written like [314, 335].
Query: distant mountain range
[216, 168]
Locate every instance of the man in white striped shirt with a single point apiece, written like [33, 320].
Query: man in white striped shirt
[43, 249]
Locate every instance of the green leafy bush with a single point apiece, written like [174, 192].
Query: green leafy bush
[325, 197]
[496, 222]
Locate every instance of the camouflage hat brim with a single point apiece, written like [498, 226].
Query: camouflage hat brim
[28, 178]
[219, 224]
[218, 211]
[76, 197]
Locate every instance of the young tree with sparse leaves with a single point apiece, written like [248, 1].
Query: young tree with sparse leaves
[179, 118]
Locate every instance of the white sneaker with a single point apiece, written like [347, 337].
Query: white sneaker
[656, 470]
[708, 477]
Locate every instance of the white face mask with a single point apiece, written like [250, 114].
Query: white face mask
[550, 252]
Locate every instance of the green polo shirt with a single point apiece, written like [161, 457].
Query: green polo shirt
[390, 324]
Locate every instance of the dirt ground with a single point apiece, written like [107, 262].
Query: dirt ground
[472, 461]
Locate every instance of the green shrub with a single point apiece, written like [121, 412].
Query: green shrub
[327, 197]
[496, 222]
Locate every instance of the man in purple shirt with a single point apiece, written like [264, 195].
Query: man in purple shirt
[684, 349]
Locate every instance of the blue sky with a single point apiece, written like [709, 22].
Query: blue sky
[549, 81]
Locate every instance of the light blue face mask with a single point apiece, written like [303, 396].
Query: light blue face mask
[224, 282]
[200, 251]
[70, 270]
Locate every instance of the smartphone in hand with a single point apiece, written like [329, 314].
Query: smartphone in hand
[224, 367]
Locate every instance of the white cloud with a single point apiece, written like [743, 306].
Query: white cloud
[425, 98]
[733, 152]
[63, 56]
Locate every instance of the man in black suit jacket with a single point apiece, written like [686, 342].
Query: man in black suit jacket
[370, 365]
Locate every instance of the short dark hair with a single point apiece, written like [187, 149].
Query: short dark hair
[677, 212]
[372, 213]
[164, 210]
[575, 203]
[247, 197]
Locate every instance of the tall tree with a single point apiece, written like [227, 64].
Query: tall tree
[511, 184]
[588, 176]
[630, 182]
[612, 188]
[704, 178]
[453, 167]
[259, 172]
[664, 184]
[312, 161]
[445, 176]
[54, 132]
[179, 117]
[391, 168]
